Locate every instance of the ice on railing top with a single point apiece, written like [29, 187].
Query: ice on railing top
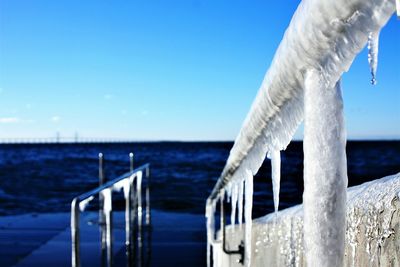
[323, 35]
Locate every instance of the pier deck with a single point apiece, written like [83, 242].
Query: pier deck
[31, 240]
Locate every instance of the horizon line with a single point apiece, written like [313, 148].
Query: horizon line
[127, 140]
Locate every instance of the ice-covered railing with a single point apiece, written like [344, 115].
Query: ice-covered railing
[303, 82]
[372, 230]
[131, 185]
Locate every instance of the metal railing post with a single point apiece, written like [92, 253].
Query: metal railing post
[104, 191]
[102, 226]
[148, 214]
[128, 223]
[133, 193]
[107, 194]
[75, 258]
[131, 161]
[240, 250]
[140, 215]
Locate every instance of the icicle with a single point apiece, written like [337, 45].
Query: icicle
[240, 203]
[325, 173]
[83, 204]
[228, 192]
[107, 196]
[248, 214]
[123, 185]
[210, 215]
[275, 156]
[373, 46]
[107, 211]
[234, 204]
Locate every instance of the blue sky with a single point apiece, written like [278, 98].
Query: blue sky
[162, 70]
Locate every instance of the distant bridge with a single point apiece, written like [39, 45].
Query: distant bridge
[61, 140]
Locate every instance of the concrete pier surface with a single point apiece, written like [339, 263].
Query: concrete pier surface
[30, 240]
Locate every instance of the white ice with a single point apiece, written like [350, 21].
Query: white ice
[83, 204]
[234, 202]
[324, 36]
[372, 222]
[124, 185]
[325, 172]
[240, 202]
[398, 8]
[275, 156]
[210, 224]
[107, 198]
[248, 208]
[373, 47]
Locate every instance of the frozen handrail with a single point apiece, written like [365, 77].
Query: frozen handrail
[321, 35]
[126, 183]
[320, 44]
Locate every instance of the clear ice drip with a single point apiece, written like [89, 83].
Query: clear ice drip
[325, 172]
[248, 208]
[398, 8]
[234, 201]
[240, 202]
[275, 156]
[373, 46]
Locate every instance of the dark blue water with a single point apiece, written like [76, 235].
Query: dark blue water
[45, 178]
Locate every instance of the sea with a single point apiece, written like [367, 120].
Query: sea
[44, 178]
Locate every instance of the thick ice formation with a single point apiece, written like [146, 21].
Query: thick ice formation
[398, 8]
[248, 208]
[373, 46]
[234, 201]
[325, 172]
[240, 202]
[275, 156]
[372, 233]
[84, 203]
[324, 36]
[210, 211]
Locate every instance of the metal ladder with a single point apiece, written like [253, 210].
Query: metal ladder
[131, 185]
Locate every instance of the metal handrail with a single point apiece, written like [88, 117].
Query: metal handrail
[110, 184]
[240, 250]
[105, 190]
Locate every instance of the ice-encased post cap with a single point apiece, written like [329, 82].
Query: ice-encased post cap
[398, 8]
[131, 161]
[100, 155]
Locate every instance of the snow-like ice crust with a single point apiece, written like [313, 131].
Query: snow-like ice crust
[398, 8]
[322, 35]
[372, 236]
[325, 172]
